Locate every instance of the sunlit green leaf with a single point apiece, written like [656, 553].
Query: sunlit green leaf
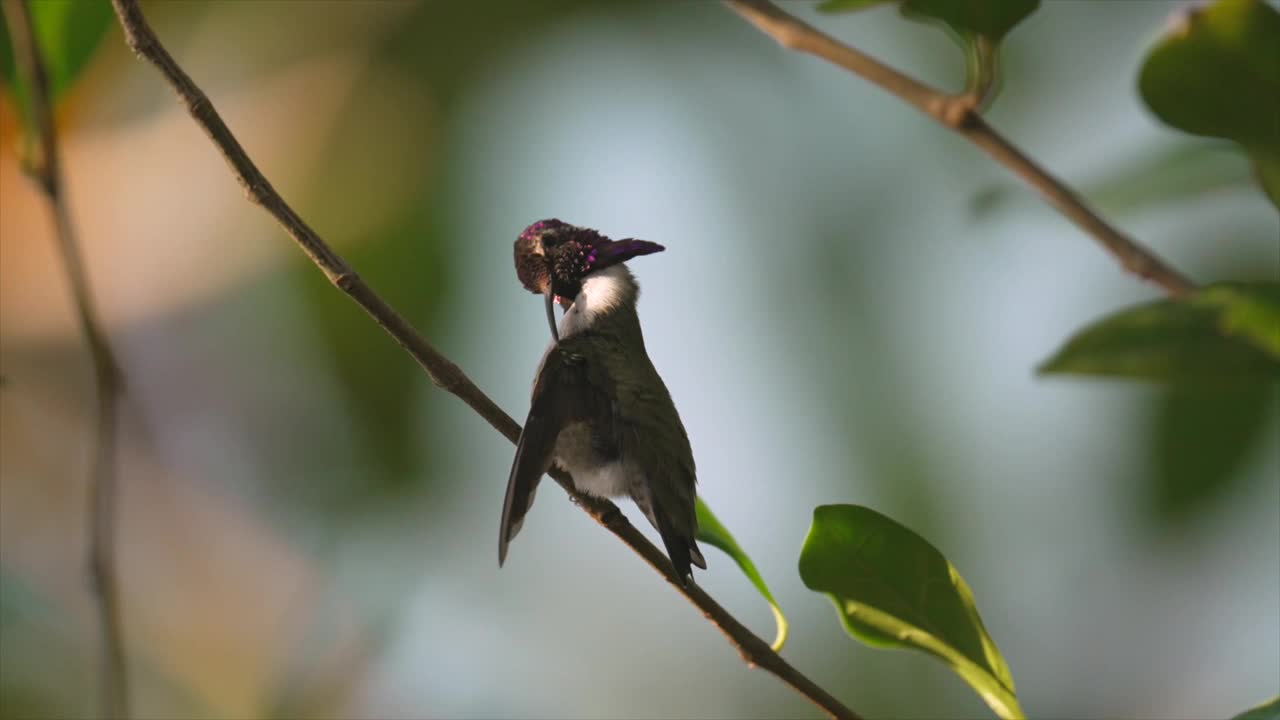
[891, 588]
[1266, 711]
[712, 532]
[1216, 72]
[1225, 332]
[990, 18]
[67, 34]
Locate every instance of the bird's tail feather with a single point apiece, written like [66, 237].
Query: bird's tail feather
[695, 555]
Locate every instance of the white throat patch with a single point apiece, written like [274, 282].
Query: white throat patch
[601, 292]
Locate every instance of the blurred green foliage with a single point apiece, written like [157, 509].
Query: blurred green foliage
[30, 668]
[1201, 437]
[67, 33]
[380, 385]
[476, 39]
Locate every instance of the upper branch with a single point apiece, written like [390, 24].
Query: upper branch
[960, 113]
[443, 372]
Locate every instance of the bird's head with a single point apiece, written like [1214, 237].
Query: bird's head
[554, 257]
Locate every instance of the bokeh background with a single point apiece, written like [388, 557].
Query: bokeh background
[850, 309]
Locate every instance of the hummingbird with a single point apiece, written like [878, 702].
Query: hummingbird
[599, 408]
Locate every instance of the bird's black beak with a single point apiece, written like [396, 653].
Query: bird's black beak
[551, 313]
[620, 251]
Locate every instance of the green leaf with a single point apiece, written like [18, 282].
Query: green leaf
[992, 19]
[69, 31]
[67, 34]
[1250, 311]
[891, 588]
[1225, 332]
[1216, 72]
[978, 25]
[1266, 169]
[712, 532]
[1269, 710]
[1200, 438]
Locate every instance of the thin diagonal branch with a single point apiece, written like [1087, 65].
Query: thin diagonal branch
[443, 372]
[960, 113]
[45, 169]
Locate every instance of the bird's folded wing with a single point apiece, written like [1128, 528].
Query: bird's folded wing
[568, 390]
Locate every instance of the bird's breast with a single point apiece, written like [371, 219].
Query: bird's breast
[593, 473]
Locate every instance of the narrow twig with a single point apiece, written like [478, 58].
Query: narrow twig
[442, 371]
[960, 113]
[45, 169]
